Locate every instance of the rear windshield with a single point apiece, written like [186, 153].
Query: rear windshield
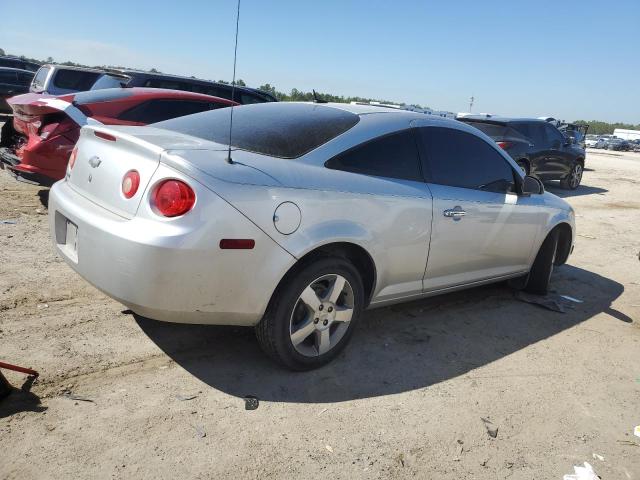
[77, 80]
[285, 130]
[491, 129]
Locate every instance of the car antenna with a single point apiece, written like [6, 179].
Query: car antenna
[316, 98]
[233, 83]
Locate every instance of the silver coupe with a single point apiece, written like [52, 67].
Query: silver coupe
[318, 212]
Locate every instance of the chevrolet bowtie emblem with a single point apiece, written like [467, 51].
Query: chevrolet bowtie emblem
[95, 162]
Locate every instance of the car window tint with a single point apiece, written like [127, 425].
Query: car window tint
[460, 159]
[25, 78]
[285, 130]
[553, 134]
[492, 129]
[8, 77]
[77, 80]
[164, 109]
[394, 156]
[534, 131]
[41, 77]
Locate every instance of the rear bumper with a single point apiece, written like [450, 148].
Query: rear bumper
[11, 162]
[170, 270]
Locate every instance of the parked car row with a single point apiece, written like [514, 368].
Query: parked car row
[610, 142]
[37, 144]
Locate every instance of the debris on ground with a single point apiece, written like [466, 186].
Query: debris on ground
[553, 302]
[200, 431]
[329, 449]
[597, 457]
[572, 299]
[636, 431]
[251, 402]
[8, 222]
[582, 473]
[492, 430]
[184, 398]
[78, 398]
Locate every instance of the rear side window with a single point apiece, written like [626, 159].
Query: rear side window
[77, 80]
[460, 159]
[394, 155]
[491, 129]
[164, 109]
[285, 130]
[40, 78]
[553, 134]
[534, 131]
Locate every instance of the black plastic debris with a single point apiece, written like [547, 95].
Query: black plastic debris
[251, 402]
[492, 430]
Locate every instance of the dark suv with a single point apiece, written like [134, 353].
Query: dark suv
[13, 81]
[537, 146]
[19, 63]
[243, 95]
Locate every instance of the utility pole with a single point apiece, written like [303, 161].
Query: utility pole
[471, 103]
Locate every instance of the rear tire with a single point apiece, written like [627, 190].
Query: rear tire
[303, 331]
[573, 179]
[540, 274]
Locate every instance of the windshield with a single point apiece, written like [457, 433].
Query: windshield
[285, 130]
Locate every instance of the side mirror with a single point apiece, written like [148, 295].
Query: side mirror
[531, 186]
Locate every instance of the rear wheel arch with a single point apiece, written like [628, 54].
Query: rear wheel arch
[357, 255]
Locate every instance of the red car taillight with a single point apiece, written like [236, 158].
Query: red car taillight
[72, 157]
[504, 145]
[130, 183]
[173, 198]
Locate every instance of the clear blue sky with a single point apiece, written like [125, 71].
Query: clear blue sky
[568, 59]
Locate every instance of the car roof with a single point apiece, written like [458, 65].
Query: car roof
[17, 70]
[71, 67]
[132, 71]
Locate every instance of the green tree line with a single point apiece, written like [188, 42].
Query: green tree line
[600, 128]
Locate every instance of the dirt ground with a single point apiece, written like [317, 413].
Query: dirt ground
[127, 397]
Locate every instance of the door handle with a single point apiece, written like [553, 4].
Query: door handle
[454, 213]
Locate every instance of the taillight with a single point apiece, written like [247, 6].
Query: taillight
[130, 183]
[173, 198]
[504, 145]
[72, 157]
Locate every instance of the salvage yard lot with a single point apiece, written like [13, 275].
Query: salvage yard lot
[122, 396]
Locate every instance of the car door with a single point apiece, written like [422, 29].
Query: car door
[481, 228]
[560, 159]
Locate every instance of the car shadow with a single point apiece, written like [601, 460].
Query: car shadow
[556, 189]
[395, 349]
[43, 195]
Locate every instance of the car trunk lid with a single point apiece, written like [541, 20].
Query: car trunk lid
[103, 158]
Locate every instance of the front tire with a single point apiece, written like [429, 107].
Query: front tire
[312, 314]
[573, 179]
[540, 274]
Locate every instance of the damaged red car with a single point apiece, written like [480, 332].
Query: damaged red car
[37, 145]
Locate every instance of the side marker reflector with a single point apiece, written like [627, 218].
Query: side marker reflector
[237, 244]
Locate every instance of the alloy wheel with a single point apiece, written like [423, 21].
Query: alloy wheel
[321, 315]
[575, 176]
